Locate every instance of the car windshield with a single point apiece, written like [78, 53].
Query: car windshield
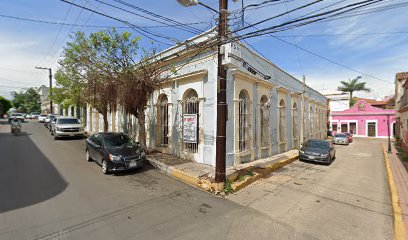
[118, 141]
[317, 144]
[68, 121]
[43, 115]
[340, 135]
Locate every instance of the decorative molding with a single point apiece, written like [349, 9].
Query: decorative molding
[251, 78]
[282, 90]
[196, 74]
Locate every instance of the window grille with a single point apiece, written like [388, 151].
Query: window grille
[282, 120]
[244, 123]
[191, 106]
[264, 121]
[162, 121]
[295, 125]
[311, 120]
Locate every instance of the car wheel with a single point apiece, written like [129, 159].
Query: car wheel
[55, 137]
[105, 168]
[88, 158]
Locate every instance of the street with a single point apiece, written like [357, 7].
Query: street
[49, 191]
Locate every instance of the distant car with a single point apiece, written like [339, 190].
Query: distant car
[67, 127]
[114, 152]
[19, 117]
[340, 138]
[349, 136]
[42, 117]
[317, 151]
[27, 116]
[35, 115]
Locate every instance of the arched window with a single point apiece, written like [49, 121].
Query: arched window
[162, 120]
[282, 120]
[264, 121]
[191, 111]
[295, 121]
[244, 121]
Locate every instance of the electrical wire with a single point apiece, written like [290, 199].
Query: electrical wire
[141, 31]
[93, 26]
[166, 19]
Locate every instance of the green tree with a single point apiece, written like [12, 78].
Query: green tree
[26, 101]
[5, 105]
[352, 86]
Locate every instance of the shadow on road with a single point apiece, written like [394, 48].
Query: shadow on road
[27, 177]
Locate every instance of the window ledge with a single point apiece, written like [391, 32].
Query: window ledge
[265, 147]
[245, 153]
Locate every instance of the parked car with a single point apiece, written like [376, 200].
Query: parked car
[317, 151]
[19, 117]
[349, 136]
[341, 138]
[114, 152]
[35, 115]
[67, 127]
[42, 117]
[27, 116]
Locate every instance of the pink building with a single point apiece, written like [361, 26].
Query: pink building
[364, 120]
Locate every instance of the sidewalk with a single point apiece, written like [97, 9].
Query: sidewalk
[398, 181]
[202, 175]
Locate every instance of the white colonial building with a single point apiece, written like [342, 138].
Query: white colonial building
[264, 106]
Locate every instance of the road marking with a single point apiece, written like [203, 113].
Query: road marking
[398, 224]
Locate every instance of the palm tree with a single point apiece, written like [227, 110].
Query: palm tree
[353, 86]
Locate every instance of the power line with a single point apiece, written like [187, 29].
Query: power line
[192, 29]
[93, 26]
[339, 34]
[141, 31]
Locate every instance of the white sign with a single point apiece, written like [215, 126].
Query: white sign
[190, 128]
[232, 54]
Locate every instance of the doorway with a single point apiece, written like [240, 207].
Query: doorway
[344, 127]
[353, 127]
[371, 129]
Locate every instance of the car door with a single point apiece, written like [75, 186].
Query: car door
[99, 150]
[93, 145]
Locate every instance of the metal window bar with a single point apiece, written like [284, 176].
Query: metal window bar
[244, 123]
[282, 121]
[191, 106]
[295, 127]
[264, 126]
[162, 125]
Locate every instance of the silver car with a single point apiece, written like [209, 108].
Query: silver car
[340, 138]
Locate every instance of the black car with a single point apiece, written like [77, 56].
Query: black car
[317, 151]
[114, 152]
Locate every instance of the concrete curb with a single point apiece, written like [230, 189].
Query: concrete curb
[261, 172]
[205, 184]
[398, 223]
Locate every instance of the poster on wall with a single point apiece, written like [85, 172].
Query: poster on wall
[190, 128]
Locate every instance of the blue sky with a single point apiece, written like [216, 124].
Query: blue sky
[374, 44]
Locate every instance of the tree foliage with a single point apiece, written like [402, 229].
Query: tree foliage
[5, 105]
[106, 70]
[352, 86]
[27, 101]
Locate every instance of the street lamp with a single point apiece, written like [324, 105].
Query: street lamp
[221, 140]
[50, 92]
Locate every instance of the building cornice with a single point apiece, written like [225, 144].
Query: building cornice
[251, 78]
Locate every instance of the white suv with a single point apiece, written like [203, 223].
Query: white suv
[67, 127]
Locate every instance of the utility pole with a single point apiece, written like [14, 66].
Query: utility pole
[50, 88]
[389, 133]
[221, 140]
[302, 124]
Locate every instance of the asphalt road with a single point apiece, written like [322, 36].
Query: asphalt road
[347, 200]
[49, 191]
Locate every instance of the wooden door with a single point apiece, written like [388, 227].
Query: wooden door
[344, 127]
[371, 129]
[353, 128]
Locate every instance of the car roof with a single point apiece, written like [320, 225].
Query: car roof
[66, 117]
[106, 134]
[317, 140]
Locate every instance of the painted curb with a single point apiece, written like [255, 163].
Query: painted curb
[398, 223]
[260, 173]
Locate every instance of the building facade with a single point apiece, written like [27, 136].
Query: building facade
[364, 120]
[338, 101]
[401, 107]
[264, 106]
